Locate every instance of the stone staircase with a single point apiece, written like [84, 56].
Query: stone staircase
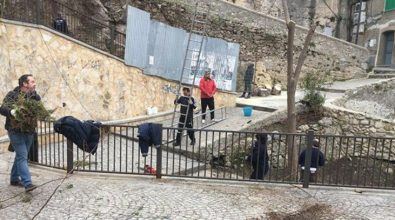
[382, 73]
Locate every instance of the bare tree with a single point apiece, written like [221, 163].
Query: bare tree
[292, 81]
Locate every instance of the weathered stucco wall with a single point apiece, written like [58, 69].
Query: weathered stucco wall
[80, 81]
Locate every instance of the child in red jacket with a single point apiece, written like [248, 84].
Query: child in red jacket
[208, 88]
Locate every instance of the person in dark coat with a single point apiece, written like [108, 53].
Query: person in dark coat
[259, 158]
[248, 77]
[188, 104]
[60, 24]
[317, 160]
[21, 140]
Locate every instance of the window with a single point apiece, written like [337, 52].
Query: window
[389, 5]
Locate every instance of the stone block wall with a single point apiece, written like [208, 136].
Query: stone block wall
[347, 122]
[360, 135]
[79, 80]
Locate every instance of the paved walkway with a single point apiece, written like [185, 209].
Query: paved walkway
[89, 196]
[331, 93]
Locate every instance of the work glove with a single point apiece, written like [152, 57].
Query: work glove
[13, 112]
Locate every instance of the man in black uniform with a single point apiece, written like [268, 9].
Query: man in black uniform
[188, 104]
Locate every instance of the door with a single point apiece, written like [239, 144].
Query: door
[388, 47]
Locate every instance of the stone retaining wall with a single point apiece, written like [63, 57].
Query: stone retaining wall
[263, 39]
[341, 121]
[80, 80]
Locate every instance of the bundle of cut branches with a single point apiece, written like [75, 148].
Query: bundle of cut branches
[28, 112]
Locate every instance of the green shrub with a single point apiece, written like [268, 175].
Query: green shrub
[312, 84]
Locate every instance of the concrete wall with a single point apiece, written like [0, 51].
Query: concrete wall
[79, 80]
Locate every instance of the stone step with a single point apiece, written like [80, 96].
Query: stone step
[381, 76]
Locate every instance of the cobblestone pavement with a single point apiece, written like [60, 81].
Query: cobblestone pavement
[89, 196]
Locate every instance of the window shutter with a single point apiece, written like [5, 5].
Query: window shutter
[389, 5]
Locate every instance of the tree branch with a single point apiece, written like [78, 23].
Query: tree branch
[286, 12]
[303, 53]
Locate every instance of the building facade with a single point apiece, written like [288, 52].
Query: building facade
[368, 23]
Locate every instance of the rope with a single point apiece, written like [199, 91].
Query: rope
[63, 77]
[61, 182]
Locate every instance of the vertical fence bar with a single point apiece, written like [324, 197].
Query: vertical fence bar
[205, 155]
[112, 38]
[159, 156]
[226, 153]
[37, 11]
[278, 156]
[374, 163]
[338, 157]
[359, 162]
[70, 156]
[245, 150]
[381, 161]
[389, 158]
[231, 156]
[199, 152]
[388, 163]
[167, 151]
[299, 151]
[367, 161]
[307, 163]
[133, 151]
[219, 153]
[33, 153]
[346, 155]
[240, 163]
[127, 148]
[120, 149]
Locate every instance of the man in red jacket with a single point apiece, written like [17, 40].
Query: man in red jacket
[208, 88]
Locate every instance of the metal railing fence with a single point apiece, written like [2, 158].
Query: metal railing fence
[350, 161]
[79, 26]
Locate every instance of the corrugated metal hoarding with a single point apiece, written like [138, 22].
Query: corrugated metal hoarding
[159, 49]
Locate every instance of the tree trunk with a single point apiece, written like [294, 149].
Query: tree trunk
[291, 89]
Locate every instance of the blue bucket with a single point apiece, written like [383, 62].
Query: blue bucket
[247, 111]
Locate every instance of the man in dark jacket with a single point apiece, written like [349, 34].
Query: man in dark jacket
[259, 158]
[188, 104]
[20, 140]
[60, 24]
[317, 160]
[248, 77]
